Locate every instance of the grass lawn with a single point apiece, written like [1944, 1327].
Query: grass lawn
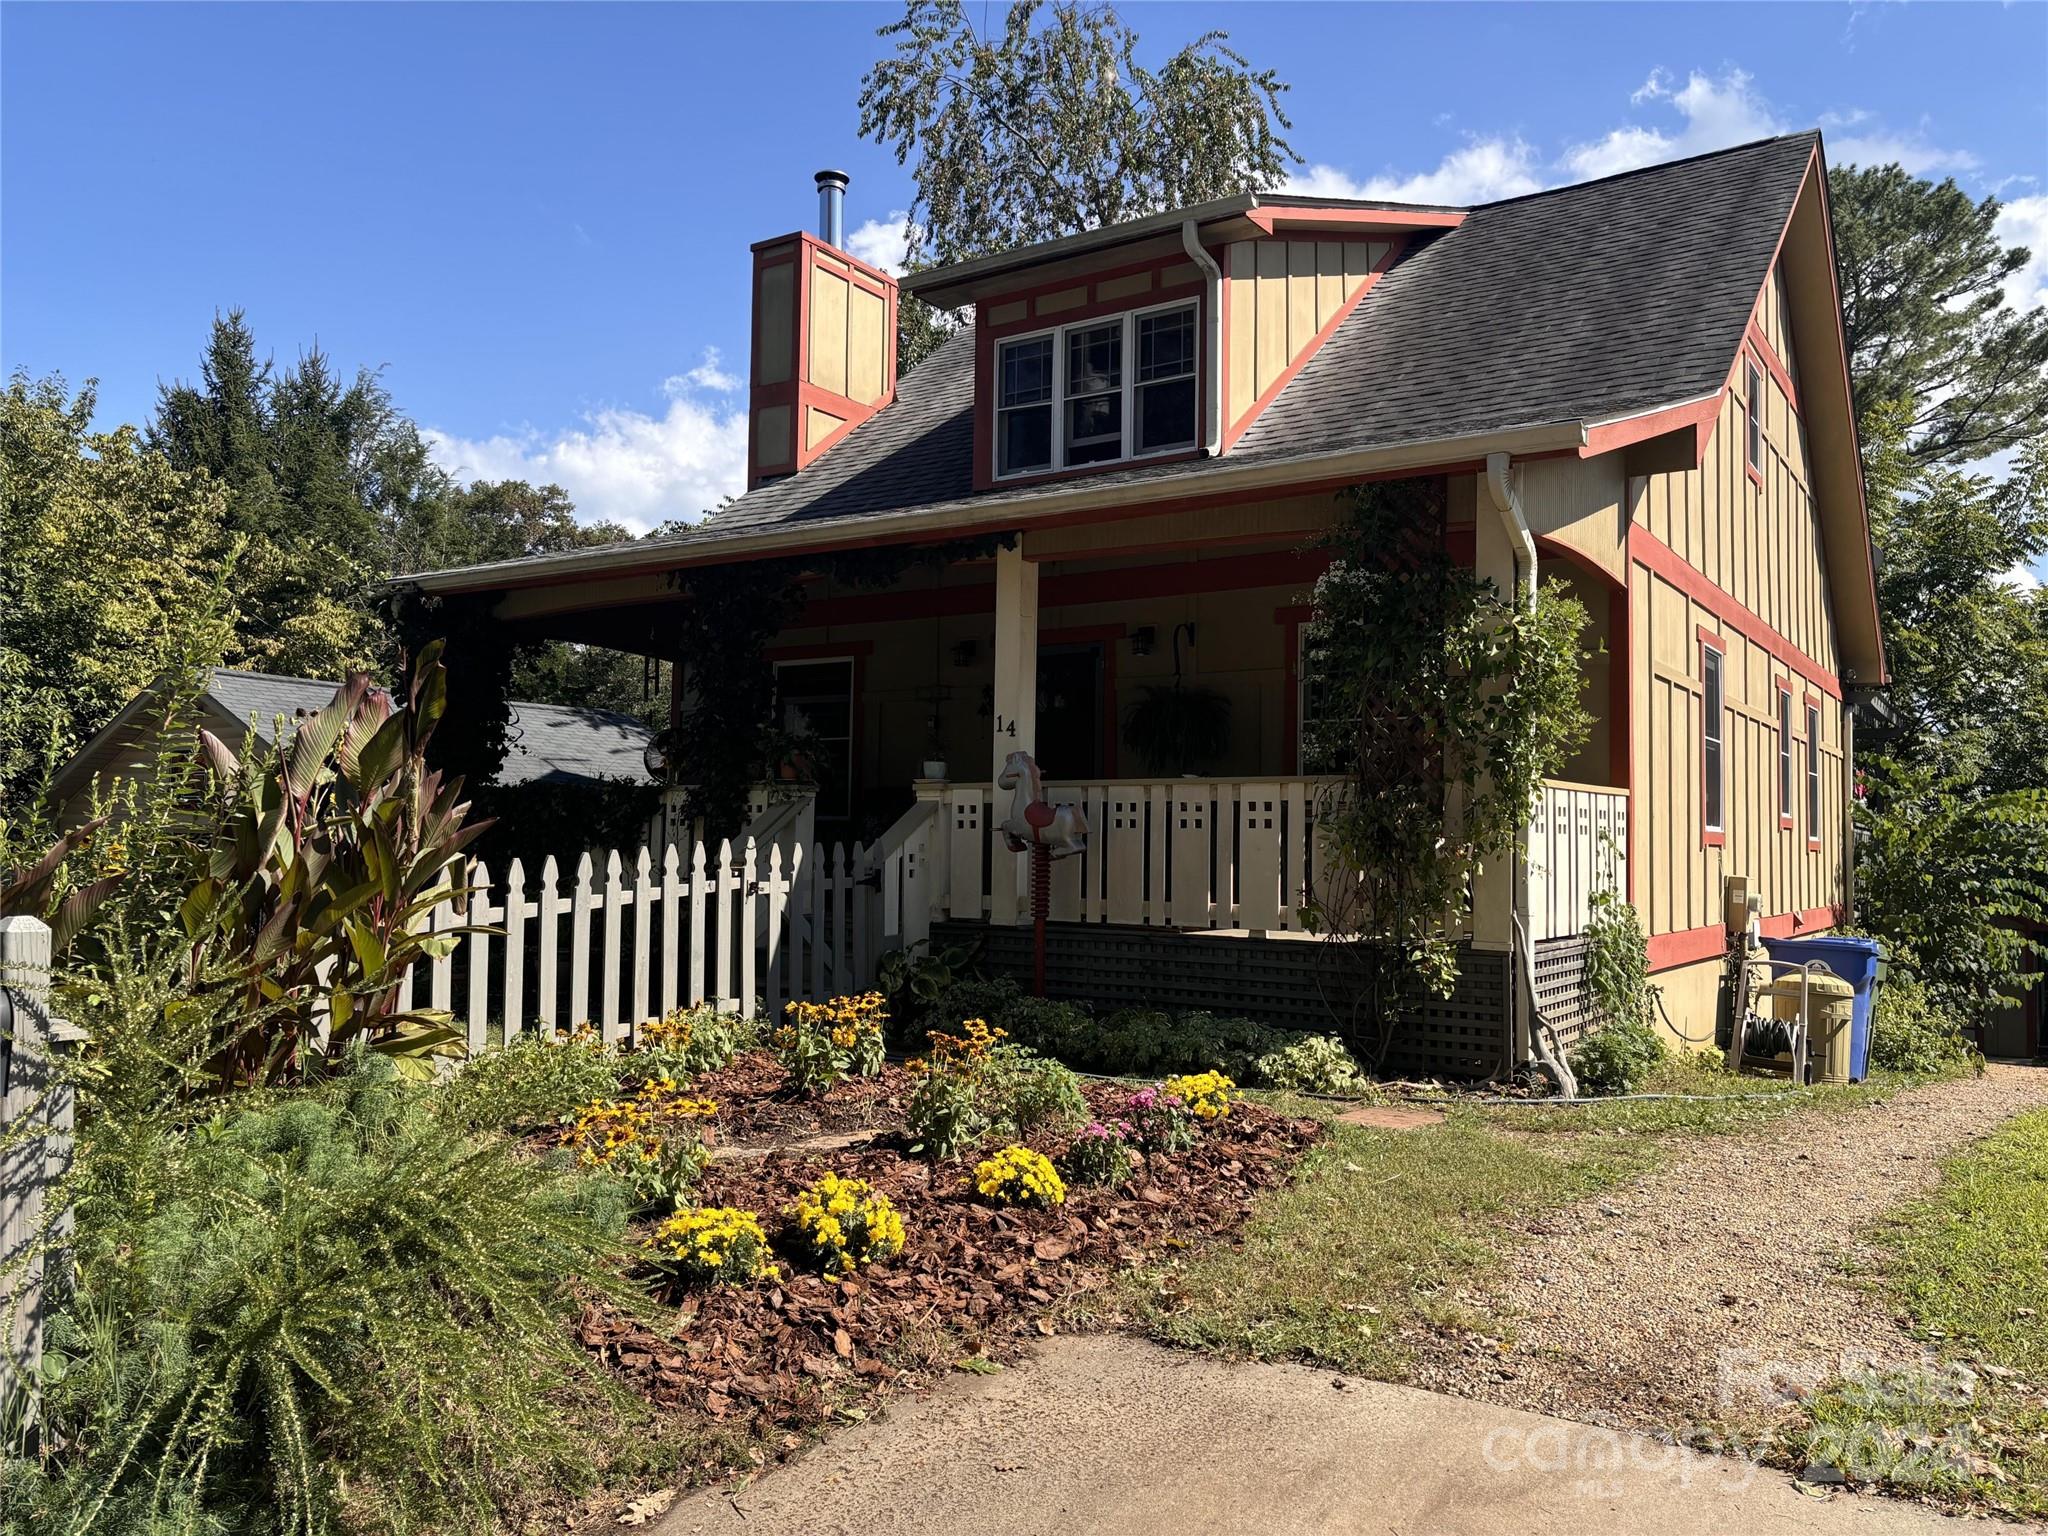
[1968, 1265]
[1380, 1227]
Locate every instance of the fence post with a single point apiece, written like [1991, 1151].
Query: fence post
[35, 1133]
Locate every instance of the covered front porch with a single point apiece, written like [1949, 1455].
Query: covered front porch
[910, 693]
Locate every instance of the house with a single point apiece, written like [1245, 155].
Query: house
[1636, 385]
[549, 745]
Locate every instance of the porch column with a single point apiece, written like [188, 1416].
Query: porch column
[1015, 720]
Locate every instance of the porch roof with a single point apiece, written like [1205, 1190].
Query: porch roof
[1532, 323]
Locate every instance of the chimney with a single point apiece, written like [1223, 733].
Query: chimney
[824, 350]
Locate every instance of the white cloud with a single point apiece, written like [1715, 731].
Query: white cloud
[1714, 113]
[2024, 221]
[706, 375]
[2021, 579]
[883, 243]
[621, 465]
[1911, 151]
[1481, 171]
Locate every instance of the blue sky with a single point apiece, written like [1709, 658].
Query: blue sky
[535, 218]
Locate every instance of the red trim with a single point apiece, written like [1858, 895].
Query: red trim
[1700, 416]
[1095, 306]
[1620, 695]
[1273, 220]
[1768, 355]
[1788, 763]
[1709, 640]
[1290, 620]
[1105, 635]
[1689, 946]
[1233, 430]
[1787, 924]
[1657, 557]
[1180, 578]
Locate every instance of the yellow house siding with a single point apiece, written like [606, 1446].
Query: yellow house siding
[1758, 541]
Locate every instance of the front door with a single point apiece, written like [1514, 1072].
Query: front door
[1070, 743]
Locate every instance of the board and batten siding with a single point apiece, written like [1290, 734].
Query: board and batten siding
[1756, 538]
[1281, 295]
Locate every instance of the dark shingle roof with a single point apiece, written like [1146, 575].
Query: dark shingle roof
[555, 743]
[1579, 304]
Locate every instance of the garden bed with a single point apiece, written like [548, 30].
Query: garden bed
[780, 1356]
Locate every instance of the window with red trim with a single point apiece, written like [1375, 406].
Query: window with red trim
[1756, 419]
[1713, 741]
[814, 704]
[1784, 756]
[1813, 773]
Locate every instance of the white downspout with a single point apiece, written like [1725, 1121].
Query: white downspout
[1212, 310]
[1506, 497]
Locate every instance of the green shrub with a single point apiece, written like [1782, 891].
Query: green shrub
[1030, 1092]
[1617, 961]
[534, 1080]
[689, 1042]
[338, 1310]
[1909, 1032]
[1311, 1064]
[1616, 1057]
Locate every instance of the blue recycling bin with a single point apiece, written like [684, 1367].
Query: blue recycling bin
[1859, 962]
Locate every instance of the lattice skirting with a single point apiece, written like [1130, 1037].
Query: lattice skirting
[1282, 982]
[1561, 985]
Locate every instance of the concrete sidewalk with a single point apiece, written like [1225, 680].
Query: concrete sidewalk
[1111, 1434]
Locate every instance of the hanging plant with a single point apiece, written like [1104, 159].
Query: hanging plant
[1177, 729]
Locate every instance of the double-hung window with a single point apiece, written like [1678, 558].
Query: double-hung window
[1813, 774]
[1024, 391]
[1713, 711]
[1097, 392]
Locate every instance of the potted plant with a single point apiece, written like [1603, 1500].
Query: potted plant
[1178, 729]
[934, 747]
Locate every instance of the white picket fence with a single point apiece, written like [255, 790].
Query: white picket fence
[624, 938]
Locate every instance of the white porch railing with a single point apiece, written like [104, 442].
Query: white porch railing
[1180, 853]
[1578, 844]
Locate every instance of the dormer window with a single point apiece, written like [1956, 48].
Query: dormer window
[1081, 377]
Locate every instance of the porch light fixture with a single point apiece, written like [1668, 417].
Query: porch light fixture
[1143, 639]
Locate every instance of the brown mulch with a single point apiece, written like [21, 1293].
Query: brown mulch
[754, 1111]
[785, 1355]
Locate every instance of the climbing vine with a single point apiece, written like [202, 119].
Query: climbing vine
[726, 738]
[476, 725]
[1443, 703]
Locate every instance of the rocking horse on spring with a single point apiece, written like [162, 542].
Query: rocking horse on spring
[1046, 832]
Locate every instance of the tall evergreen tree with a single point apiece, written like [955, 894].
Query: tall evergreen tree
[1924, 276]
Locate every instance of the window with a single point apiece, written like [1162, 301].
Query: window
[1712, 711]
[1095, 393]
[1166, 381]
[1118, 388]
[1024, 406]
[1813, 774]
[814, 704]
[1756, 419]
[1784, 756]
[1310, 705]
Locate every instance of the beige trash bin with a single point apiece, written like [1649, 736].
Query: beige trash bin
[1834, 1011]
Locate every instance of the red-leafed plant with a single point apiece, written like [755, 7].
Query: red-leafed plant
[335, 847]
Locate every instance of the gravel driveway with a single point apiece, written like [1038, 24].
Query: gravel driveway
[1667, 1303]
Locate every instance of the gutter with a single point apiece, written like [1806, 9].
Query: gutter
[1534, 1031]
[993, 511]
[1212, 310]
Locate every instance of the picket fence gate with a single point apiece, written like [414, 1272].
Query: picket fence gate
[626, 938]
